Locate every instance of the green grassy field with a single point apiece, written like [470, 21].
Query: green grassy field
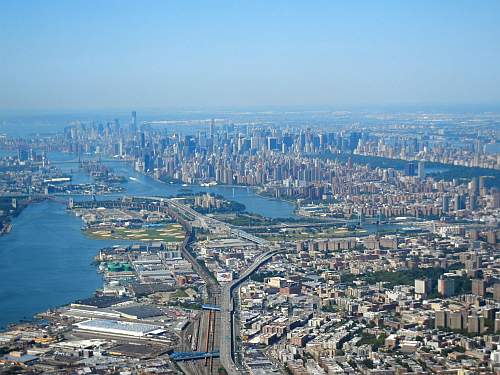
[167, 233]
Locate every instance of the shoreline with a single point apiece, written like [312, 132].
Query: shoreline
[38, 315]
[8, 225]
[256, 189]
[6, 229]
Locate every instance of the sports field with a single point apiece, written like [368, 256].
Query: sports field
[167, 233]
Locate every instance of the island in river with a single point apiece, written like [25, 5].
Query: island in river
[47, 259]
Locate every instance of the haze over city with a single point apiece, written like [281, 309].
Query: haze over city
[249, 187]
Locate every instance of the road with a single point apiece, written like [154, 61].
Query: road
[220, 331]
[215, 225]
[324, 223]
[227, 306]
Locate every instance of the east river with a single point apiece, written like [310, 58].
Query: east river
[46, 260]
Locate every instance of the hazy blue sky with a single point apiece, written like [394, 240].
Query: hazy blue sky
[134, 54]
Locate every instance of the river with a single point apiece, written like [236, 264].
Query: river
[46, 259]
[45, 262]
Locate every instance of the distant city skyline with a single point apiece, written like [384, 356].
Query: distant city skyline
[96, 55]
[250, 187]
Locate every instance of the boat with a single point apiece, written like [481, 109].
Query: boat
[208, 184]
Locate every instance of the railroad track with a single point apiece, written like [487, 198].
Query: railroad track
[210, 339]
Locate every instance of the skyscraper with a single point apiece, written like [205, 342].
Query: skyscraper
[212, 128]
[474, 186]
[446, 203]
[458, 202]
[422, 287]
[478, 287]
[446, 286]
[482, 185]
[421, 169]
[410, 169]
[496, 292]
[133, 124]
[441, 319]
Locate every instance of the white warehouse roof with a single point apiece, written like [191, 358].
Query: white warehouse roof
[117, 327]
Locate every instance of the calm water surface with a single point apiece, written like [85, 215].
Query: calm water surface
[144, 185]
[45, 262]
[46, 259]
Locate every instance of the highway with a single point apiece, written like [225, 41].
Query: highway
[227, 329]
[214, 224]
[221, 330]
[325, 223]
